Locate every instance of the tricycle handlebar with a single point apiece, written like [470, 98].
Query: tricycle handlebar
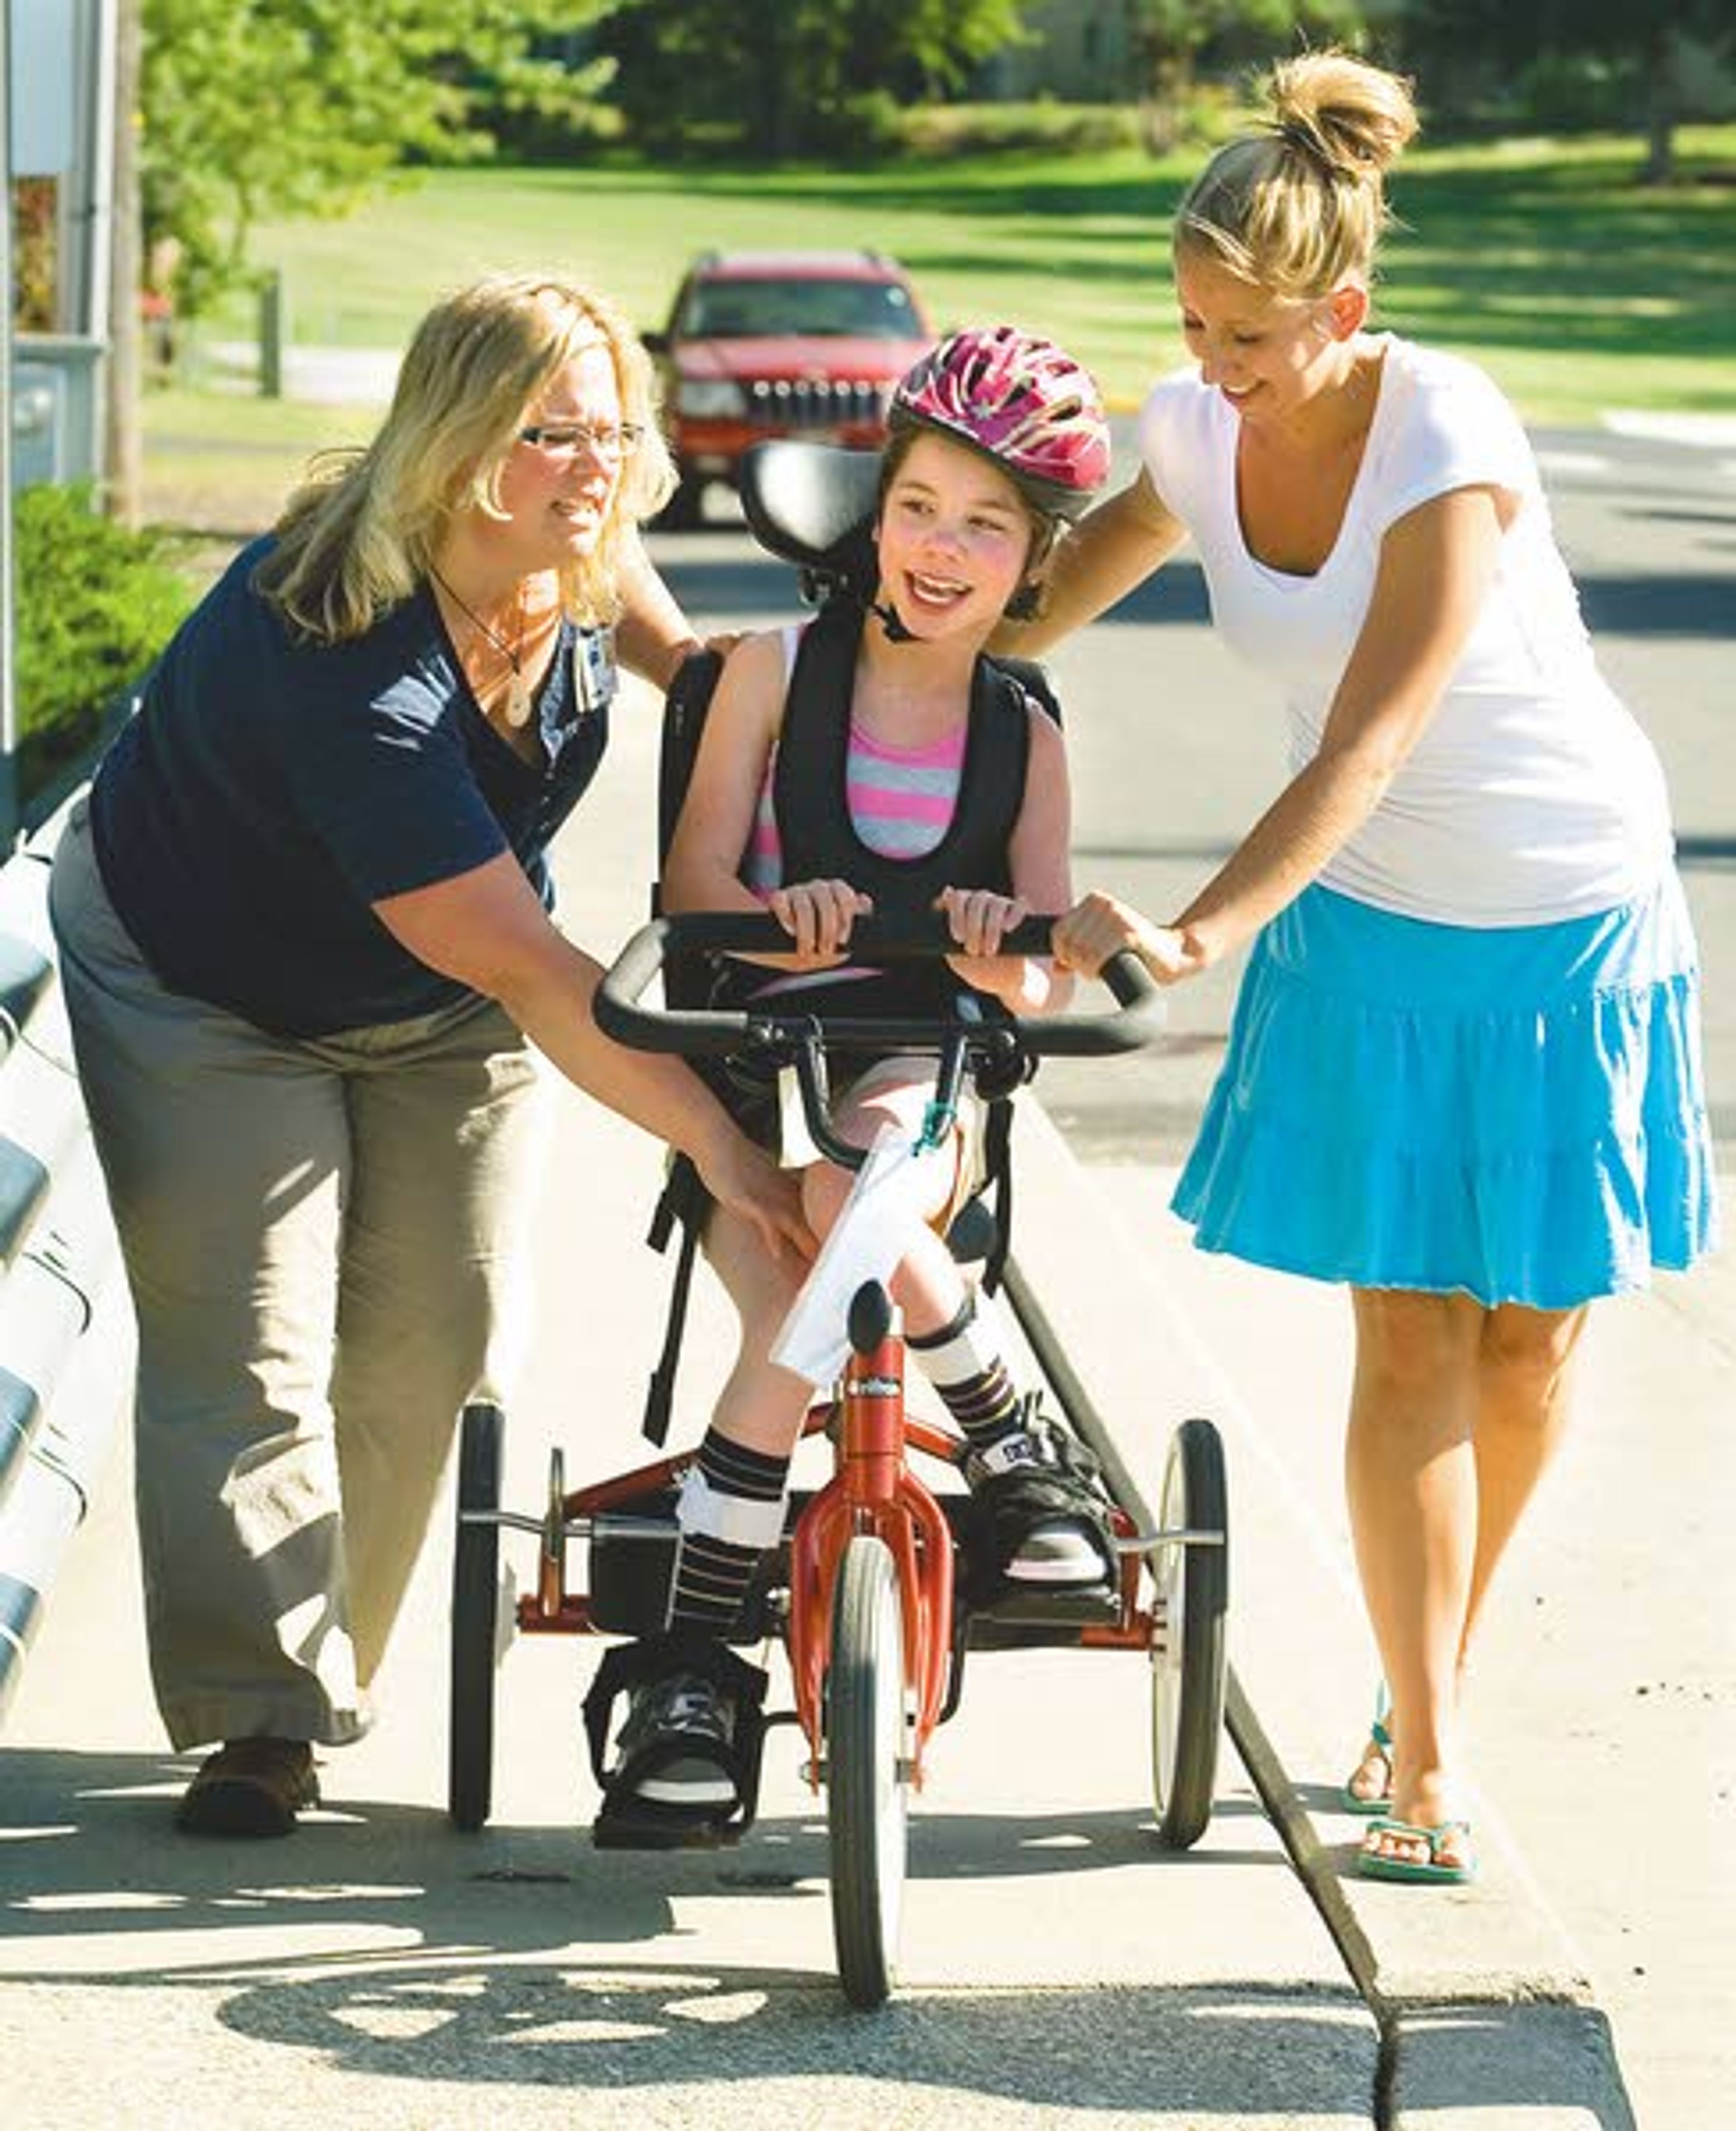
[785, 1017]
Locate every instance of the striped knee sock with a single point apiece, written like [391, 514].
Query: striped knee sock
[964, 1362]
[731, 1509]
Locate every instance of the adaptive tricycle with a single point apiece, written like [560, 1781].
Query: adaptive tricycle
[873, 1591]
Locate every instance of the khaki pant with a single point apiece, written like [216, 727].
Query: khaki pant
[319, 1235]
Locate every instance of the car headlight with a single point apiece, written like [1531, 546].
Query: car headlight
[710, 397]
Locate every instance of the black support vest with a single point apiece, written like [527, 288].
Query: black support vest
[810, 796]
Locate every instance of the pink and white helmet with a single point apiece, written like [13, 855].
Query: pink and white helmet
[1020, 400]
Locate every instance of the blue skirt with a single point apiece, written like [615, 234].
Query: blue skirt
[1517, 1113]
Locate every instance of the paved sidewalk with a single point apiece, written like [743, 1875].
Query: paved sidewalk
[1496, 1997]
[331, 376]
[1610, 1654]
[1060, 1973]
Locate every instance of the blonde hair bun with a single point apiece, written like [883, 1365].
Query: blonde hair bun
[1299, 207]
[1357, 117]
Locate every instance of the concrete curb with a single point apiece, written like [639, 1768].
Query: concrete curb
[1481, 1999]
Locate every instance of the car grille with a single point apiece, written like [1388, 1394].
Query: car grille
[796, 403]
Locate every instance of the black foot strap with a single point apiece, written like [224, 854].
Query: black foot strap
[684, 1201]
[627, 1821]
[1062, 1482]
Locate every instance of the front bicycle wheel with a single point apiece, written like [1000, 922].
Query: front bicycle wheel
[476, 1620]
[1188, 1654]
[867, 1771]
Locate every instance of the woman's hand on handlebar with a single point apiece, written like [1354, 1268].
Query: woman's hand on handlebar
[1099, 926]
[818, 915]
[744, 1178]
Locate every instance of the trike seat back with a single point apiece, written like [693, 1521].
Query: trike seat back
[812, 505]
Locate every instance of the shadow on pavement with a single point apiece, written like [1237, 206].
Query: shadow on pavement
[1682, 605]
[1706, 854]
[390, 1945]
[1505, 2063]
[86, 1851]
[1245, 2049]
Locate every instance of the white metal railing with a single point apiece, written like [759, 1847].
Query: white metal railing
[66, 1337]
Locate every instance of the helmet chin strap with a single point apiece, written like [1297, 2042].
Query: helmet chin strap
[892, 622]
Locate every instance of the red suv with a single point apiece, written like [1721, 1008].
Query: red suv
[777, 344]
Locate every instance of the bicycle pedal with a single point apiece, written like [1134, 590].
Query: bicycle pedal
[629, 1826]
[1040, 1606]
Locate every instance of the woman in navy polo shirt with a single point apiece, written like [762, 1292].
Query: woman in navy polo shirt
[304, 936]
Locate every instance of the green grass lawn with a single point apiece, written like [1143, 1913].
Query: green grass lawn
[1579, 289]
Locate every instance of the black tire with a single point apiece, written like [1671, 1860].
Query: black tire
[868, 1784]
[476, 1622]
[1188, 1651]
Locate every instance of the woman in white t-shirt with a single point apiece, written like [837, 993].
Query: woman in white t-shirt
[1464, 1074]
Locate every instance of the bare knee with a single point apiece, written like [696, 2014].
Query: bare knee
[1524, 1354]
[1409, 1344]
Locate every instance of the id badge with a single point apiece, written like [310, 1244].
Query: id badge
[593, 669]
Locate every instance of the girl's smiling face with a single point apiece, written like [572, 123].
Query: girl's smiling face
[954, 541]
[1270, 356]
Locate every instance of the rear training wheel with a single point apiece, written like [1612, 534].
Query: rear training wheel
[1188, 1643]
[866, 1773]
[476, 1622]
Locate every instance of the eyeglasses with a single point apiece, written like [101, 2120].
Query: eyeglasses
[598, 440]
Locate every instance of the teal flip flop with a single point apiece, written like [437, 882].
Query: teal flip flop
[1380, 1737]
[1434, 1872]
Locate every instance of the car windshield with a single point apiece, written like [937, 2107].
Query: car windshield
[740, 309]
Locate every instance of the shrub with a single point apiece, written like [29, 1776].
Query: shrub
[867, 127]
[936, 130]
[1575, 93]
[96, 604]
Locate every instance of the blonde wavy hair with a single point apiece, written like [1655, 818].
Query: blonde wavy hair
[1300, 206]
[358, 535]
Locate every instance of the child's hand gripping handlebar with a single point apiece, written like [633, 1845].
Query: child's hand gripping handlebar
[784, 1029]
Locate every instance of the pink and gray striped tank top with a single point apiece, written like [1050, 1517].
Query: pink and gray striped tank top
[901, 799]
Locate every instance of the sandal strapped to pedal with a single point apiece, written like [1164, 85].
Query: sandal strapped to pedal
[687, 1768]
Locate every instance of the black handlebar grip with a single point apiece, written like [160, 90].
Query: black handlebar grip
[710, 1032]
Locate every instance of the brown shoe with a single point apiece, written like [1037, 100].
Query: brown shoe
[253, 1787]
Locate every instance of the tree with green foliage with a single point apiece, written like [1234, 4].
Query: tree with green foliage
[1642, 53]
[1174, 36]
[777, 77]
[256, 107]
[1659, 36]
